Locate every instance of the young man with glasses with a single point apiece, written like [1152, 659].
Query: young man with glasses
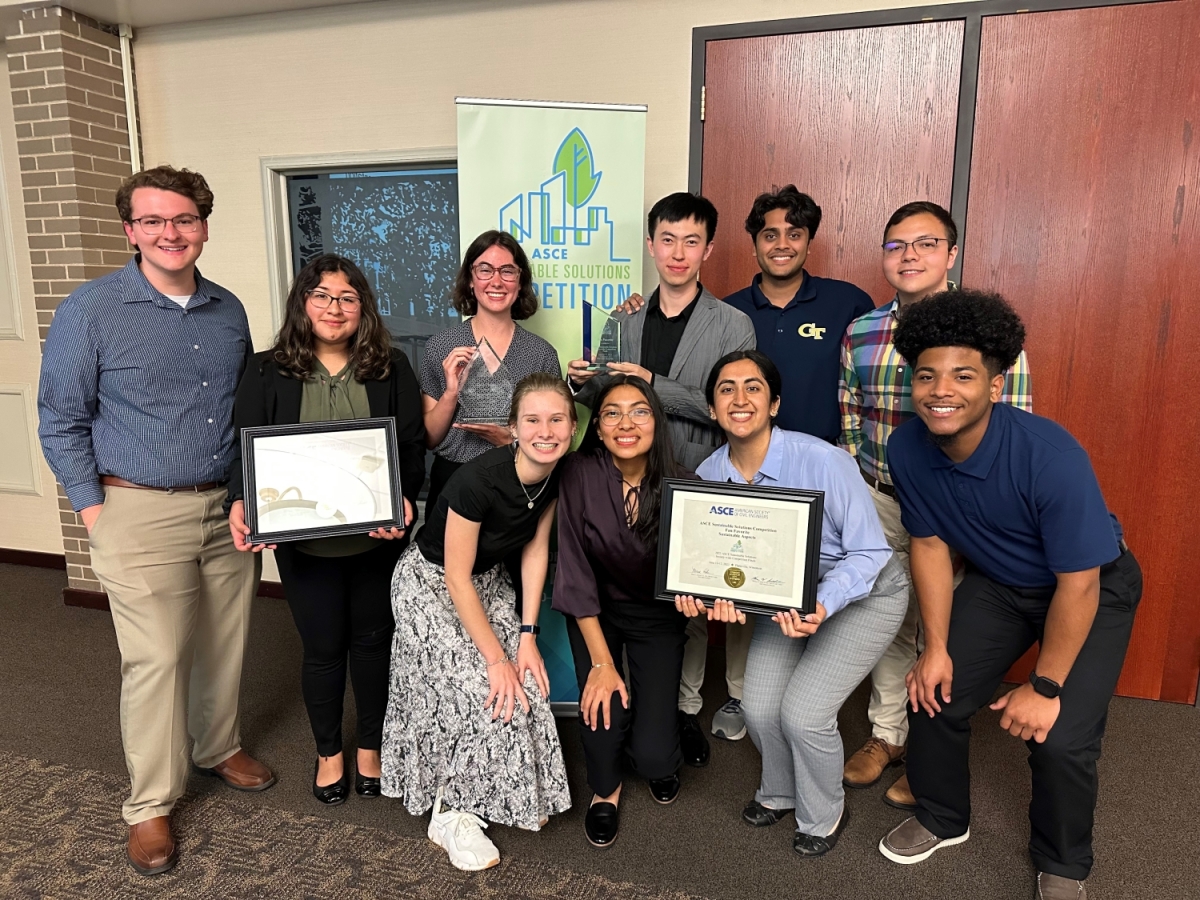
[920, 244]
[672, 342]
[138, 378]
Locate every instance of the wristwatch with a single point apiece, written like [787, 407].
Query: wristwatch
[535, 630]
[1047, 687]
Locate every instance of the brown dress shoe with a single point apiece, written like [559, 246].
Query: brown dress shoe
[900, 795]
[151, 848]
[866, 766]
[1055, 887]
[242, 772]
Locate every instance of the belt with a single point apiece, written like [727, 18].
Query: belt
[880, 486]
[114, 481]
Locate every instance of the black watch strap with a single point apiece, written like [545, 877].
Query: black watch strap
[531, 629]
[1047, 687]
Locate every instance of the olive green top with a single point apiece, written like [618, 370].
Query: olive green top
[334, 398]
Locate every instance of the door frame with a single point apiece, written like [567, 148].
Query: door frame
[972, 13]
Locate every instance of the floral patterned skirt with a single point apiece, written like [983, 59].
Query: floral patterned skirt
[437, 732]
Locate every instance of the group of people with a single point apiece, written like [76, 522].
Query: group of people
[958, 529]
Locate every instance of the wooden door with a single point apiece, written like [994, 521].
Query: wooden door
[1083, 212]
[861, 119]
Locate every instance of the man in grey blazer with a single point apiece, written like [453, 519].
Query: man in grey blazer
[672, 342]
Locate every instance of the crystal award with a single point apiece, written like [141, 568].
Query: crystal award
[601, 338]
[485, 388]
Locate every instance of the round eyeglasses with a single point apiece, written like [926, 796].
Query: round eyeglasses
[638, 416]
[321, 300]
[185, 224]
[484, 272]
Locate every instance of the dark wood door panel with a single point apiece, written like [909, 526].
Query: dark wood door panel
[1083, 212]
[861, 119]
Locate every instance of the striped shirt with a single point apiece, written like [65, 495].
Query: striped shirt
[136, 386]
[875, 389]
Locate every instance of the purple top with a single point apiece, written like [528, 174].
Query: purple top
[600, 559]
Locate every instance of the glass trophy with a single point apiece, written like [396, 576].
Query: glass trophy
[601, 338]
[485, 388]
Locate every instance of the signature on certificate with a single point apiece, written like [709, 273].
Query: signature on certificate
[767, 582]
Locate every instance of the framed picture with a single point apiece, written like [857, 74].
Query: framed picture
[757, 546]
[321, 479]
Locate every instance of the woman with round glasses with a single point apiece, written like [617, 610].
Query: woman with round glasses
[800, 669]
[607, 542]
[494, 290]
[333, 360]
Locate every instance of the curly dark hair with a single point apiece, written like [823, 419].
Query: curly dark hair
[166, 178]
[371, 346]
[979, 320]
[463, 294]
[660, 461]
[802, 210]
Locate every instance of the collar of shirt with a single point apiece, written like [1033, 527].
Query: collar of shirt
[136, 288]
[806, 292]
[770, 470]
[652, 306]
[979, 463]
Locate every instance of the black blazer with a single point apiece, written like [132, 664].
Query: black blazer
[266, 396]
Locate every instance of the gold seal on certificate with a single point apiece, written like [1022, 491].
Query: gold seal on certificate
[757, 546]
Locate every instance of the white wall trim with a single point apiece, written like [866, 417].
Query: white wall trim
[274, 171]
[34, 485]
[9, 284]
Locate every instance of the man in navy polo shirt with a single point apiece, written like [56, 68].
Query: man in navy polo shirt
[799, 318]
[1015, 494]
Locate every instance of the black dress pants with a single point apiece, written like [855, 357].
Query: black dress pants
[652, 639]
[342, 607]
[991, 626]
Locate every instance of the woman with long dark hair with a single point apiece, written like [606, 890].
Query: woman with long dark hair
[333, 360]
[607, 542]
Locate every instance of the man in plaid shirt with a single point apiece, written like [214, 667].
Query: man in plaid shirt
[875, 394]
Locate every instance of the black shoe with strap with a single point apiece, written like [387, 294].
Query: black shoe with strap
[812, 845]
[760, 816]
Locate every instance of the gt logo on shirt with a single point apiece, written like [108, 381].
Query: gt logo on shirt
[810, 329]
[722, 510]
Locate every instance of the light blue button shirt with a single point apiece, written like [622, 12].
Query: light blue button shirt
[853, 549]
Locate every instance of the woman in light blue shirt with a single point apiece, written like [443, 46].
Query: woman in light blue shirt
[801, 669]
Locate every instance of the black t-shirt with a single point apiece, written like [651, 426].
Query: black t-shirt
[487, 490]
[661, 336]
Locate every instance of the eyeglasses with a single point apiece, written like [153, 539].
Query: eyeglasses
[484, 272]
[321, 300]
[185, 224]
[924, 246]
[638, 416]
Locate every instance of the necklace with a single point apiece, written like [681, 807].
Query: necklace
[532, 499]
[632, 498]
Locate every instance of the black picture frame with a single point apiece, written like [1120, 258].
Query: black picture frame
[747, 497]
[254, 443]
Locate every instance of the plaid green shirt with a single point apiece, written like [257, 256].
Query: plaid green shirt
[875, 389]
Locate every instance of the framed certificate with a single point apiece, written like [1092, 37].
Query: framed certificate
[321, 479]
[757, 546]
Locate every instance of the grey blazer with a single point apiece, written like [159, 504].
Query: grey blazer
[714, 329]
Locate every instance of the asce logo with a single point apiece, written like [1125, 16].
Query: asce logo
[722, 510]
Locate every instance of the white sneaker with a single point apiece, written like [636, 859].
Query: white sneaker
[460, 835]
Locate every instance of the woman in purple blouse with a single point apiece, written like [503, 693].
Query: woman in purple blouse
[607, 537]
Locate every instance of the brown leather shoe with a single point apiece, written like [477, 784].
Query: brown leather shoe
[866, 766]
[242, 772]
[900, 795]
[151, 849]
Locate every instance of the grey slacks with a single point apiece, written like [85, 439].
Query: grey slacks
[794, 689]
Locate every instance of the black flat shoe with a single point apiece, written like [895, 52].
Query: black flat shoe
[812, 846]
[366, 787]
[601, 824]
[692, 741]
[760, 817]
[664, 790]
[332, 794]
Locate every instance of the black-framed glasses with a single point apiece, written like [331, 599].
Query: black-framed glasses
[923, 246]
[484, 272]
[321, 300]
[185, 224]
[639, 415]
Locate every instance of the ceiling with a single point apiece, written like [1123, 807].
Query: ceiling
[145, 13]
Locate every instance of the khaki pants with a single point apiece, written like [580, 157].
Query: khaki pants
[695, 654]
[180, 596]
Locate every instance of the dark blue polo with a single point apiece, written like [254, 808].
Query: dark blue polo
[804, 340]
[1024, 506]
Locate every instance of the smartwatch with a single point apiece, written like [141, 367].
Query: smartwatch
[535, 630]
[1045, 686]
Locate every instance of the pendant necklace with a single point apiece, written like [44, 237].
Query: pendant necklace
[532, 499]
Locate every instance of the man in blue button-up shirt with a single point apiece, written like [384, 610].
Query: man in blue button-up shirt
[138, 378]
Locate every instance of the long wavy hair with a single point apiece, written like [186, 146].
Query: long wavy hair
[370, 347]
[660, 460]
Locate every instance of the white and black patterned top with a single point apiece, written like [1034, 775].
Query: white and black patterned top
[527, 353]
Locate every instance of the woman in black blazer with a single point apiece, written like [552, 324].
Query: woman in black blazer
[333, 361]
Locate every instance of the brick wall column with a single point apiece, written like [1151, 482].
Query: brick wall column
[73, 145]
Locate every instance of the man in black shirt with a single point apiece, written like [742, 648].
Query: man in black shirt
[676, 338]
